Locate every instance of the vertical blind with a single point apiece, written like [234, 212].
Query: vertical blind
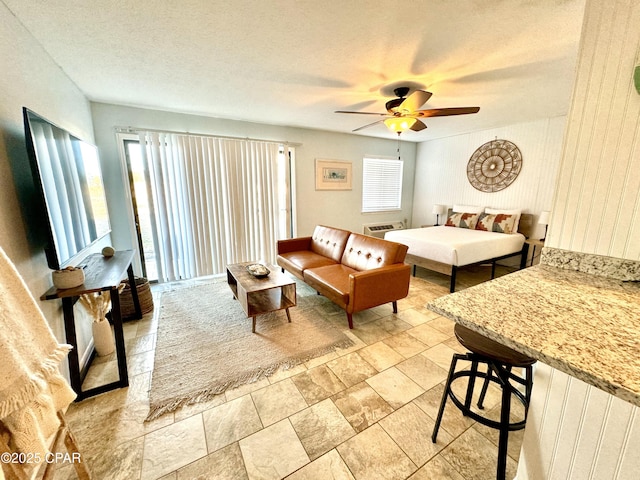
[216, 202]
[381, 184]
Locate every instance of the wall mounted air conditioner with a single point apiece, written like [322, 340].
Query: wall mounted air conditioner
[379, 229]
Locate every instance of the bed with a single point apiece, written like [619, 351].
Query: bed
[445, 249]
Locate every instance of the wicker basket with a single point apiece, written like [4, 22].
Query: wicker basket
[127, 308]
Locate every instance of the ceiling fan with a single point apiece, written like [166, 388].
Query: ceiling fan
[403, 112]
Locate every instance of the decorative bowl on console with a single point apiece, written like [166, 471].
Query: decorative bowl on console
[69, 277]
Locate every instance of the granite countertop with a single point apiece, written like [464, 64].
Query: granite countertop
[585, 325]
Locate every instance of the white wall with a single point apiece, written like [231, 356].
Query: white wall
[30, 78]
[577, 431]
[336, 208]
[441, 170]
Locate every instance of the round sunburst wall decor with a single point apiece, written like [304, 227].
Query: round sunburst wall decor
[494, 166]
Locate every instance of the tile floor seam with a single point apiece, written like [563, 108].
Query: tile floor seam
[382, 426]
[344, 441]
[204, 429]
[461, 473]
[378, 420]
[404, 451]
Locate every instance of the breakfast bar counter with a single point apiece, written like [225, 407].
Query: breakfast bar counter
[582, 324]
[579, 315]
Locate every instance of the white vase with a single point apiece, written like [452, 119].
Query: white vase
[102, 337]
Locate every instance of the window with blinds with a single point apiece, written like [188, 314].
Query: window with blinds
[381, 184]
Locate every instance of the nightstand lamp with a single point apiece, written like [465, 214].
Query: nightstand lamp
[544, 220]
[439, 210]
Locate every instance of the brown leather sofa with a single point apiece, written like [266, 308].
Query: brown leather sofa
[354, 271]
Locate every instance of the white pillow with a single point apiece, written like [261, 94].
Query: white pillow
[467, 209]
[506, 211]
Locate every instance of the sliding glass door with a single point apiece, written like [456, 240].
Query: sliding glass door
[201, 203]
[142, 207]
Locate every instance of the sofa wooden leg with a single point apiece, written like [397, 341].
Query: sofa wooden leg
[350, 318]
[395, 306]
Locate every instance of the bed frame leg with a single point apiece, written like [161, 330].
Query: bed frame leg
[524, 255]
[454, 271]
[493, 270]
[414, 270]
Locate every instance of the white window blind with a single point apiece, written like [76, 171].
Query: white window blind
[381, 184]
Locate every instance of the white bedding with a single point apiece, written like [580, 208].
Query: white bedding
[456, 246]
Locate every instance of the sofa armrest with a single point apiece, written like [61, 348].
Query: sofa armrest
[375, 287]
[294, 245]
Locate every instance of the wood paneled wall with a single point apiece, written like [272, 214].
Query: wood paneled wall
[576, 431]
[596, 208]
[441, 170]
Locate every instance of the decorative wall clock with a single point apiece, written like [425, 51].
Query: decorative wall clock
[494, 166]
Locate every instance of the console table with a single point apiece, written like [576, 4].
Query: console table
[101, 274]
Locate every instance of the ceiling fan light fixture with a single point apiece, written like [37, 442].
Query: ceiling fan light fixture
[400, 124]
[404, 113]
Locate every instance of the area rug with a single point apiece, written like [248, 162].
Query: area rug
[205, 345]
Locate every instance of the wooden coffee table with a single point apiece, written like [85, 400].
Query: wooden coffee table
[261, 295]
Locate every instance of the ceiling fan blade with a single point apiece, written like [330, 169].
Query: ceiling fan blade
[416, 127]
[414, 101]
[368, 125]
[363, 113]
[443, 112]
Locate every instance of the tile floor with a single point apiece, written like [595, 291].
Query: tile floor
[365, 413]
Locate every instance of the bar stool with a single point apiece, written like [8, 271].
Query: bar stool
[500, 361]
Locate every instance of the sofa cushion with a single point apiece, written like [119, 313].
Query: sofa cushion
[329, 242]
[365, 253]
[332, 281]
[297, 262]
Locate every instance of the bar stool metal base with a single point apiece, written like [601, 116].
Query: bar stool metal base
[499, 373]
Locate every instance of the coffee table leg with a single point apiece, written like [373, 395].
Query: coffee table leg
[253, 328]
[288, 316]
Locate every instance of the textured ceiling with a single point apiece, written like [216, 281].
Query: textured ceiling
[294, 63]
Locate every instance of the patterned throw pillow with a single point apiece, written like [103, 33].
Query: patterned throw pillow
[517, 212]
[485, 222]
[500, 222]
[463, 220]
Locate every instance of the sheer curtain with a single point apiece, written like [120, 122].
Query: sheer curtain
[216, 201]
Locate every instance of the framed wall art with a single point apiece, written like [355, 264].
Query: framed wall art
[333, 175]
